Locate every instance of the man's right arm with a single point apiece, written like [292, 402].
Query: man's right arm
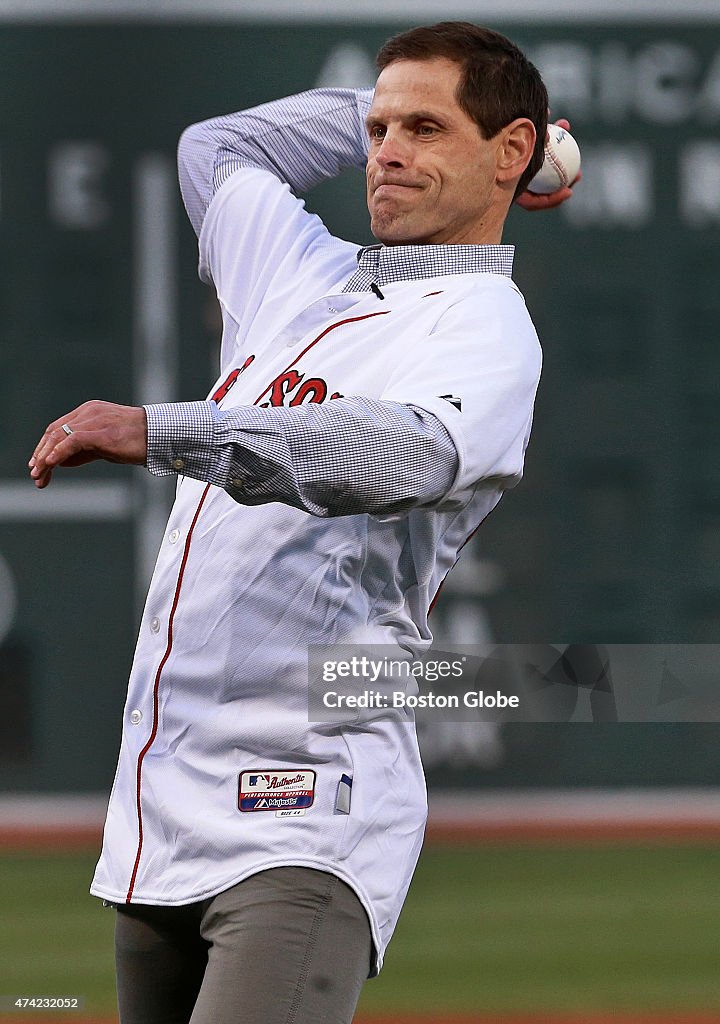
[302, 140]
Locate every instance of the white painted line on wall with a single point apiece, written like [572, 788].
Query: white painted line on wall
[22, 501]
[155, 287]
[155, 336]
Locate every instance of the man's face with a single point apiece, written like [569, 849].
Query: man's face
[430, 173]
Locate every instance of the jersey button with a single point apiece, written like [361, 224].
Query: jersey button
[136, 717]
[178, 464]
[238, 481]
[155, 624]
[173, 538]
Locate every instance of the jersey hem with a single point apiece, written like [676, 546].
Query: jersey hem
[378, 947]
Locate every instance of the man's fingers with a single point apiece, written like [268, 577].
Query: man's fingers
[60, 449]
[548, 201]
[42, 462]
[64, 448]
[44, 447]
[535, 201]
[44, 479]
[54, 433]
[83, 417]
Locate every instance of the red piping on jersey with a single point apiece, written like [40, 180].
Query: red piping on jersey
[156, 689]
[350, 320]
[178, 586]
[466, 541]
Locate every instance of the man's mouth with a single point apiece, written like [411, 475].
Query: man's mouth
[389, 188]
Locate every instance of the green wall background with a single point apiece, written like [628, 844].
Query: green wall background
[614, 534]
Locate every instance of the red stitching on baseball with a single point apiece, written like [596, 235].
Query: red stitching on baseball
[558, 166]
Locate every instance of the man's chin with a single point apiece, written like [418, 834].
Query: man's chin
[396, 234]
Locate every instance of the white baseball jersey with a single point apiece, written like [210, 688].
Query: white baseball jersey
[221, 774]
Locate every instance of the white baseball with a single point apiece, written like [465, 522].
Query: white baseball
[561, 165]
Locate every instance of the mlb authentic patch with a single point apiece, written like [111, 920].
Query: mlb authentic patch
[265, 789]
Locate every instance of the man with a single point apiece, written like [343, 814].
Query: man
[370, 411]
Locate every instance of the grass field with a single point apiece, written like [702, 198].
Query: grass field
[501, 929]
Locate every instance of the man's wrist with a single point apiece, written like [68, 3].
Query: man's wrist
[178, 434]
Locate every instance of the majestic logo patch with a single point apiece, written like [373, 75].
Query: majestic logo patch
[263, 789]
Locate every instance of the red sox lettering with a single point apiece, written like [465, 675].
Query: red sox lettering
[230, 381]
[314, 389]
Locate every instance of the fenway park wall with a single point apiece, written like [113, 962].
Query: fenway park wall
[613, 535]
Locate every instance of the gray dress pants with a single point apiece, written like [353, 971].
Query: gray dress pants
[285, 946]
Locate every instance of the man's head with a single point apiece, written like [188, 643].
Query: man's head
[457, 128]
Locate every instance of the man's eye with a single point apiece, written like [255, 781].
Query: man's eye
[377, 132]
[426, 129]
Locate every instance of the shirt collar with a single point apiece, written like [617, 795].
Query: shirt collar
[384, 264]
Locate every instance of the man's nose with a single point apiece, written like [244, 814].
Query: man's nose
[392, 152]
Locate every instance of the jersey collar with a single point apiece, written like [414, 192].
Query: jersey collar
[383, 264]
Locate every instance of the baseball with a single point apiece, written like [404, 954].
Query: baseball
[561, 165]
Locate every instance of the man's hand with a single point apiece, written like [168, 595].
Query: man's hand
[531, 201]
[95, 430]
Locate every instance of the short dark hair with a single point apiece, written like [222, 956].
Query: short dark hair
[497, 85]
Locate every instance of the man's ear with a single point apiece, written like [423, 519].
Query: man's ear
[517, 142]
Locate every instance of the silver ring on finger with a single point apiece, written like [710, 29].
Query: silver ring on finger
[68, 430]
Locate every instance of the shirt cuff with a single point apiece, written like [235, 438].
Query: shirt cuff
[180, 435]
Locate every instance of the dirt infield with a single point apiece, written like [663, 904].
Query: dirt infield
[665, 834]
[50, 840]
[541, 1017]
